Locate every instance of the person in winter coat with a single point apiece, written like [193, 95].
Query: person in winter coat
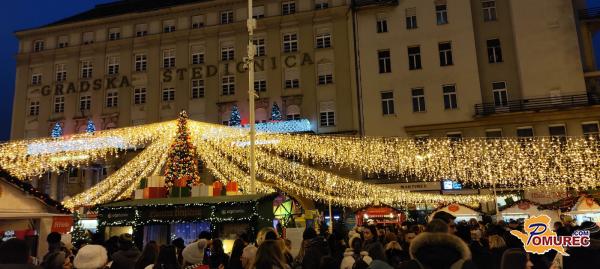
[395, 254]
[167, 258]
[91, 257]
[269, 256]
[370, 238]
[438, 251]
[497, 246]
[354, 253]
[218, 259]
[516, 258]
[127, 255]
[585, 257]
[235, 260]
[479, 250]
[194, 252]
[315, 247]
[148, 256]
[379, 259]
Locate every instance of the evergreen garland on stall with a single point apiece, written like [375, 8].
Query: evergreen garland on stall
[235, 119]
[57, 131]
[275, 112]
[181, 161]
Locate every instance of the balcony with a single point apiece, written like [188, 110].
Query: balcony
[589, 13]
[538, 104]
[365, 3]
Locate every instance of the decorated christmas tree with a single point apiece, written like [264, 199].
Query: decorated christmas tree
[275, 112]
[56, 131]
[235, 119]
[182, 163]
[78, 236]
[91, 127]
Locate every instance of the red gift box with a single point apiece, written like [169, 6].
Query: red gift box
[217, 187]
[232, 186]
[155, 192]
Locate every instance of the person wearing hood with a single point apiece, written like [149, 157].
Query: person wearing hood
[438, 251]
[354, 253]
[127, 255]
[315, 247]
[91, 257]
[14, 254]
[194, 252]
[585, 257]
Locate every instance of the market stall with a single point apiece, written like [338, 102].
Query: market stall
[460, 211]
[378, 215]
[585, 209]
[29, 214]
[524, 209]
[164, 219]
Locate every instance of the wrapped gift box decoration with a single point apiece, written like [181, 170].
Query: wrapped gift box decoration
[217, 187]
[139, 194]
[155, 192]
[179, 192]
[196, 191]
[206, 190]
[232, 188]
[156, 181]
[143, 183]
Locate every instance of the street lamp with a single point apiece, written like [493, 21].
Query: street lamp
[251, 24]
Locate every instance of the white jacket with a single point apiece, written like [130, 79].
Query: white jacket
[348, 261]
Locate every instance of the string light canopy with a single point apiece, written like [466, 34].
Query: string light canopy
[308, 165]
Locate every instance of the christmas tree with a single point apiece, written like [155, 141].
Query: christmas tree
[182, 163]
[56, 131]
[235, 119]
[275, 112]
[79, 235]
[91, 127]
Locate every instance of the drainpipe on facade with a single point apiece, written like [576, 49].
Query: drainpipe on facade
[361, 125]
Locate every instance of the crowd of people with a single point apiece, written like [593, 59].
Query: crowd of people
[440, 244]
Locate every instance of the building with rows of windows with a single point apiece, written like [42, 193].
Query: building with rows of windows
[373, 67]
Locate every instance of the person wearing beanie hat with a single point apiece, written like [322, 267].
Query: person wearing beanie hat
[194, 252]
[91, 257]
[585, 257]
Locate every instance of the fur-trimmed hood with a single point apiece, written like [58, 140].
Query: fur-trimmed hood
[437, 249]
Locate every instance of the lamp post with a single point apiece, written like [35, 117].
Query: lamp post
[251, 24]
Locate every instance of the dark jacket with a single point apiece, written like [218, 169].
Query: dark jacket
[19, 266]
[438, 251]
[125, 259]
[314, 250]
[583, 257]
[481, 254]
[215, 260]
[369, 244]
[496, 257]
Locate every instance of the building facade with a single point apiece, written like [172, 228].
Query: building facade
[136, 62]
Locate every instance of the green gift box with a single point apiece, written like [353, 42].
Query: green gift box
[179, 192]
[143, 183]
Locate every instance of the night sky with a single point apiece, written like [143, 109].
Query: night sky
[25, 14]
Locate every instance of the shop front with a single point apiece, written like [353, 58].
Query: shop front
[379, 215]
[586, 209]
[460, 211]
[524, 209]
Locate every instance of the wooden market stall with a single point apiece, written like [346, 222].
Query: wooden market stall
[460, 211]
[524, 209]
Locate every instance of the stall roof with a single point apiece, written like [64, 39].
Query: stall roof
[188, 200]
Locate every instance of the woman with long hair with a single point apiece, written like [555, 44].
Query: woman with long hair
[167, 258]
[270, 256]
[235, 260]
[148, 256]
[217, 257]
[515, 258]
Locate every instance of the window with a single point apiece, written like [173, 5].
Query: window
[86, 69]
[227, 17]
[290, 42]
[168, 58]
[260, 85]
[61, 72]
[259, 43]
[38, 45]
[228, 85]
[387, 103]
[445, 53]
[114, 34]
[139, 96]
[557, 131]
[227, 53]
[258, 12]
[197, 54]
[85, 102]
[500, 94]
[292, 78]
[454, 136]
[169, 26]
[113, 65]
[590, 129]
[494, 51]
[489, 10]
[493, 133]
[411, 18]
[414, 58]
[197, 88]
[323, 40]
[34, 108]
[288, 8]
[449, 96]
[291, 116]
[325, 74]
[141, 30]
[381, 23]
[88, 38]
[59, 104]
[321, 4]
[327, 118]
[141, 63]
[418, 99]
[112, 99]
[292, 112]
[36, 79]
[63, 41]
[525, 131]
[197, 21]
[385, 61]
[441, 14]
[168, 94]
